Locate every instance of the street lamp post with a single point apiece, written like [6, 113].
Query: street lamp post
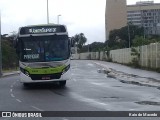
[47, 13]
[58, 18]
[88, 48]
[129, 36]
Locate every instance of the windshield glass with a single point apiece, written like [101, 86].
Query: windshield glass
[44, 48]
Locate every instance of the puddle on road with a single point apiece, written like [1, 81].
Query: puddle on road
[158, 88]
[131, 82]
[116, 86]
[148, 103]
[111, 97]
[57, 93]
[101, 71]
[154, 80]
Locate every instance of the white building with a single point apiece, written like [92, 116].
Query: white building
[146, 14]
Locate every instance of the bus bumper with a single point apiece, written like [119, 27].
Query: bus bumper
[26, 79]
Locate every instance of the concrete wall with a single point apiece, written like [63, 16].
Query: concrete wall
[90, 56]
[93, 55]
[97, 56]
[121, 55]
[149, 55]
[75, 56]
[84, 56]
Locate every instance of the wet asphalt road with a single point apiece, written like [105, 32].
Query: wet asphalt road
[87, 91]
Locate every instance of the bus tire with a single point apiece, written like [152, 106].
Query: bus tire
[62, 83]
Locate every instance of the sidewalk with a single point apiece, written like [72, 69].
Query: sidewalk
[129, 70]
[10, 73]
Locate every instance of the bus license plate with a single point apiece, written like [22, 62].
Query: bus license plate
[46, 78]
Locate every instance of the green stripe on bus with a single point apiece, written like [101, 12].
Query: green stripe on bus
[45, 70]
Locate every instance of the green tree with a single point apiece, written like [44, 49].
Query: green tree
[79, 40]
[93, 47]
[119, 38]
[9, 57]
[139, 40]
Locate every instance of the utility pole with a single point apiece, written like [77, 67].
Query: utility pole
[47, 13]
[0, 49]
[129, 37]
[58, 18]
[88, 48]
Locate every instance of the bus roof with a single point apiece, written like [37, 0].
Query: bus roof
[44, 25]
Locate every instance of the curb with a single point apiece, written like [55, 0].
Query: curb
[112, 74]
[10, 74]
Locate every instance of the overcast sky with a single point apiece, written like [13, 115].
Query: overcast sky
[86, 16]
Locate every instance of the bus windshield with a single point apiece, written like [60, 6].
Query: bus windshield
[44, 48]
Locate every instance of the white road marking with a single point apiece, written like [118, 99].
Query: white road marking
[37, 108]
[12, 95]
[11, 90]
[18, 100]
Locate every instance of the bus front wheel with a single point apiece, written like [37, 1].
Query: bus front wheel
[62, 83]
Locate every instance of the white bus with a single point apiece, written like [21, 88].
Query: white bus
[44, 54]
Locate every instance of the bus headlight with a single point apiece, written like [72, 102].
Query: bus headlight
[26, 73]
[65, 69]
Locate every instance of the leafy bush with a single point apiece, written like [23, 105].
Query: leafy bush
[136, 59]
[9, 56]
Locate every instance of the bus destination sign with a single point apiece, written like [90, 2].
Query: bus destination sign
[42, 29]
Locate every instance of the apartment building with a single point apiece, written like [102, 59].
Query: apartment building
[146, 14]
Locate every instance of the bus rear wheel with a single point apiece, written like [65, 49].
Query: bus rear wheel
[62, 83]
